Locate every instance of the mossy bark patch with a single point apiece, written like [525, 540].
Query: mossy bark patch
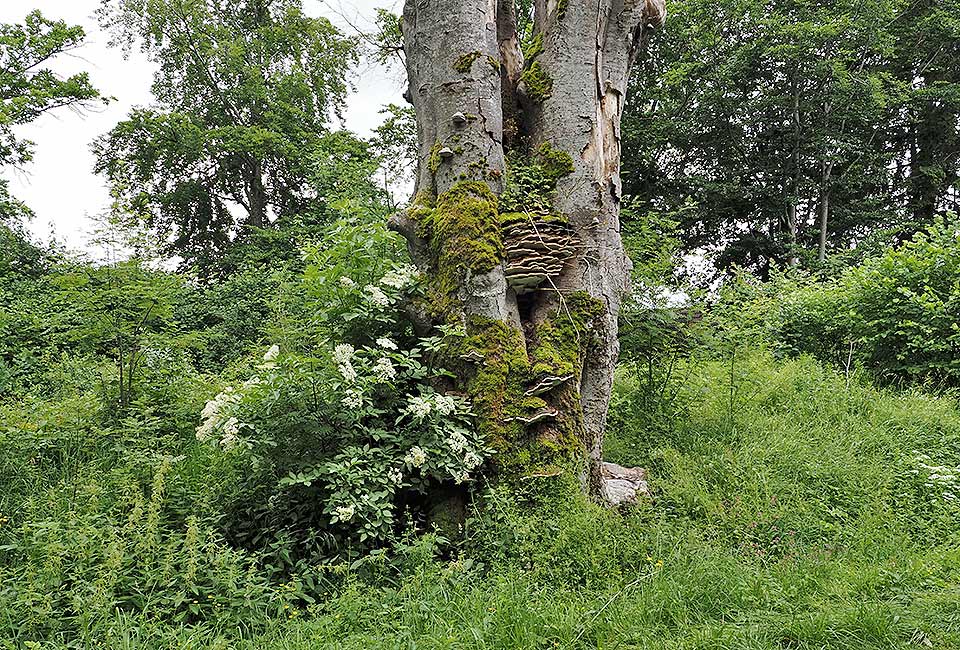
[465, 61]
[538, 82]
[463, 231]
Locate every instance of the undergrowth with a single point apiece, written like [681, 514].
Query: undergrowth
[793, 508]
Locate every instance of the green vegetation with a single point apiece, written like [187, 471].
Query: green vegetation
[262, 450]
[742, 110]
[537, 81]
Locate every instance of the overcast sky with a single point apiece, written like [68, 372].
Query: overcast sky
[59, 185]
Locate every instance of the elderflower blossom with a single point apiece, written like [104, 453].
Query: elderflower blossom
[345, 513]
[376, 295]
[399, 278]
[395, 476]
[343, 356]
[416, 457]
[461, 477]
[457, 441]
[347, 283]
[353, 399]
[445, 404]
[272, 353]
[386, 344]
[348, 371]
[232, 426]
[419, 407]
[944, 479]
[343, 353]
[270, 357]
[384, 370]
[472, 460]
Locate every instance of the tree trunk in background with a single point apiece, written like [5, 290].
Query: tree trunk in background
[526, 254]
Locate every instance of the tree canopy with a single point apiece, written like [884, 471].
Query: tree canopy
[245, 92]
[763, 127]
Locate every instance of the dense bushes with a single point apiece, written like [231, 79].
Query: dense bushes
[896, 315]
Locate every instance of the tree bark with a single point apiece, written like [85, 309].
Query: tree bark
[536, 280]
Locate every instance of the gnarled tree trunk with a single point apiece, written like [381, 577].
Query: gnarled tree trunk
[516, 218]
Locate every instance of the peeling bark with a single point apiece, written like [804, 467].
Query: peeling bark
[564, 105]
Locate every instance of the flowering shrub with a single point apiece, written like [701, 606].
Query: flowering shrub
[358, 423]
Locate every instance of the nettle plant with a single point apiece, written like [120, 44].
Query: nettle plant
[360, 419]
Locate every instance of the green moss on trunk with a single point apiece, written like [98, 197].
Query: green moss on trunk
[465, 61]
[538, 82]
[463, 230]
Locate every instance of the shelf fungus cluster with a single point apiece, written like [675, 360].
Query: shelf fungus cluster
[537, 248]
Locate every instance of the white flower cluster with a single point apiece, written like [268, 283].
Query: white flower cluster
[384, 370]
[457, 442]
[421, 406]
[343, 357]
[353, 399]
[945, 480]
[217, 420]
[395, 475]
[445, 404]
[416, 457]
[347, 283]
[386, 344]
[270, 357]
[345, 513]
[400, 277]
[376, 296]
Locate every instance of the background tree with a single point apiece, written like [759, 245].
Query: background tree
[778, 133]
[245, 92]
[516, 219]
[29, 89]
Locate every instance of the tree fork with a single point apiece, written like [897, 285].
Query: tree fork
[539, 290]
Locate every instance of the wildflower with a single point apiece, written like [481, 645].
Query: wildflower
[461, 477]
[419, 407]
[416, 457]
[400, 277]
[231, 427]
[345, 513]
[272, 354]
[347, 283]
[386, 344]
[395, 476]
[343, 353]
[472, 460]
[343, 356]
[384, 370]
[353, 399]
[457, 441]
[376, 296]
[445, 404]
[348, 371]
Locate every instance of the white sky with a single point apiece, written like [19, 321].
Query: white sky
[60, 186]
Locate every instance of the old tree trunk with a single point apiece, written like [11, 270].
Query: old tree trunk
[516, 217]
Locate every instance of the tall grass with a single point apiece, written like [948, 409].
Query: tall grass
[796, 515]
